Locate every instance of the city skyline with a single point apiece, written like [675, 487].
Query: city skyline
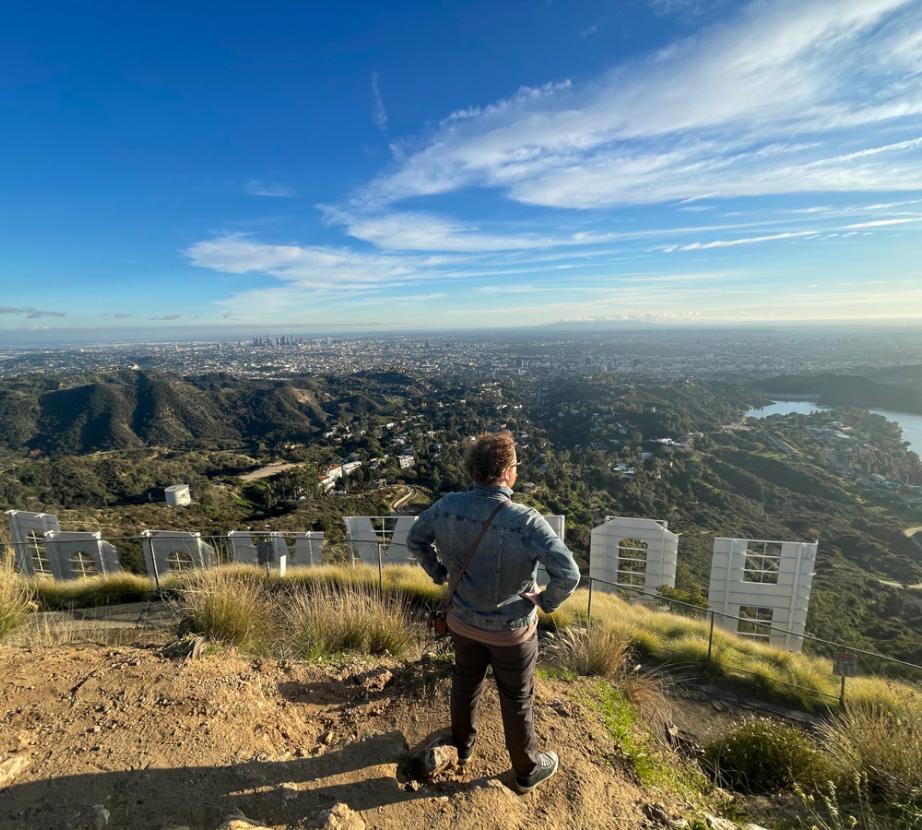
[455, 167]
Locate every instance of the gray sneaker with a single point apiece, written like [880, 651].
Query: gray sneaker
[547, 766]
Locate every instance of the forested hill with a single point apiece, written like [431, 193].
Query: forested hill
[136, 409]
[900, 391]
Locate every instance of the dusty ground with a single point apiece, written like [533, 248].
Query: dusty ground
[163, 743]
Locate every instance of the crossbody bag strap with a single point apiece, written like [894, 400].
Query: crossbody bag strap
[483, 531]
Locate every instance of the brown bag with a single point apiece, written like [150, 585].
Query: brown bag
[437, 620]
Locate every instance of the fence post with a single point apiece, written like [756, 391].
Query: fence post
[589, 606]
[711, 635]
[380, 571]
[842, 693]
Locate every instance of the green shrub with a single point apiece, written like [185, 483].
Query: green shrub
[765, 756]
[324, 622]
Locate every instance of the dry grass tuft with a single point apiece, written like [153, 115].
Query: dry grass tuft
[647, 691]
[15, 599]
[228, 609]
[324, 622]
[597, 650]
[881, 744]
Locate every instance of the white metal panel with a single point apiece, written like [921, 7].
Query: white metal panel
[166, 550]
[661, 553]
[363, 540]
[308, 547]
[244, 548]
[65, 546]
[396, 551]
[788, 597]
[27, 533]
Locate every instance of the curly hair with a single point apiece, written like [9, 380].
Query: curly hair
[488, 457]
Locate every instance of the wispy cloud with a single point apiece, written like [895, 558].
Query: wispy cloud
[378, 112]
[258, 187]
[592, 29]
[781, 98]
[30, 312]
[415, 231]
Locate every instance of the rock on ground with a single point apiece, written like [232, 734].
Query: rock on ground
[238, 821]
[12, 768]
[341, 817]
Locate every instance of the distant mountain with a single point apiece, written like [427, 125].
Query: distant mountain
[847, 390]
[136, 409]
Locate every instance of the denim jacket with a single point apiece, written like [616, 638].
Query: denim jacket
[505, 564]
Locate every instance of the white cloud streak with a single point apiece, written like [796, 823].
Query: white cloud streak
[780, 99]
[378, 111]
[274, 190]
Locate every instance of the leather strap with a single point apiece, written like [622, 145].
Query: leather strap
[483, 531]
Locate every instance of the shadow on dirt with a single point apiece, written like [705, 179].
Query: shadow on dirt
[201, 797]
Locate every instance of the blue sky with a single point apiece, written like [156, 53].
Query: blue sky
[443, 165]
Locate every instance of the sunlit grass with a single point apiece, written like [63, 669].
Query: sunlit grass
[113, 589]
[324, 622]
[597, 650]
[228, 608]
[15, 600]
[677, 642]
[882, 745]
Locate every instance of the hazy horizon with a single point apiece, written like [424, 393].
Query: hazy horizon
[60, 338]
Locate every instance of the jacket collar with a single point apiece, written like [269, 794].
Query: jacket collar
[491, 489]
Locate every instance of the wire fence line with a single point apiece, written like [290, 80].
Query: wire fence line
[870, 662]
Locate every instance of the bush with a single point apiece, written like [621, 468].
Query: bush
[227, 609]
[324, 622]
[15, 600]
[765, 756]
[597, 650]
[882, 745]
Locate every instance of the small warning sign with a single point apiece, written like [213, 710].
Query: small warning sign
[844, 664]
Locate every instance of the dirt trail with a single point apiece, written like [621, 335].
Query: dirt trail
[268, 471]
[162, 743]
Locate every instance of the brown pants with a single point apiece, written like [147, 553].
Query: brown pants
[514, 673]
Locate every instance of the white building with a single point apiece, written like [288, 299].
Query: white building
[763, 585]
[27, 533]
[177, 495]
[633, 553]
[384, 536]
[175, 551]
[74, 554]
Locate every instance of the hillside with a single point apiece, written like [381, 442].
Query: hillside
[135, 409]
[159, 743]
[592, 446]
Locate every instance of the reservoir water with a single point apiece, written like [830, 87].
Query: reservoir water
[910, 424]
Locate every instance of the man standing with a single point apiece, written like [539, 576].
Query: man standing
[491, 615]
